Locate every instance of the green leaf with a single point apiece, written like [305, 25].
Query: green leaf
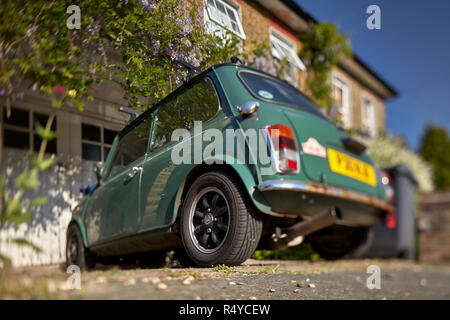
[5, 260]
[39, 201]
[45, 164]
[56, 103]
[79, 104]
[17, 217]
[28, 180]
[26, 243]
[45, 134]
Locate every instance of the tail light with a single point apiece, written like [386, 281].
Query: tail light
[390, 221]
[387, 184]
[283, 150]
[386, 180]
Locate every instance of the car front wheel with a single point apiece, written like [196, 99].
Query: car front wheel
[76, 252]
[219, 225]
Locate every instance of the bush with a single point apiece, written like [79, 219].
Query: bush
[300, 252]
[387, 151]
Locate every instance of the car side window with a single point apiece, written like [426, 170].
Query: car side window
[132, 146]
[197, 103]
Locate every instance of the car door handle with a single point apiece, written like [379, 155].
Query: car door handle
[131, 174]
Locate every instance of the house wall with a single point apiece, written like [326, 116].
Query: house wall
[47, 228]
[258, 23]
[62, 182]
[357, 91]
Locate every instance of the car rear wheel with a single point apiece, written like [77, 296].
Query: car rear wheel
[76, 252]
[219, 225]
[345, 244]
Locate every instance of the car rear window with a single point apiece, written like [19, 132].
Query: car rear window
[276, 91]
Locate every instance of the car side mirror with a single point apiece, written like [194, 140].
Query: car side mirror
[98, 172]
[248, 108]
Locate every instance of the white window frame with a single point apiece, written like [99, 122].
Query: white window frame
[284, 48]
[369, 117]
[214, 23]
[345, 109]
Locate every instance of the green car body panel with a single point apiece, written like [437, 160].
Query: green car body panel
[141, 211]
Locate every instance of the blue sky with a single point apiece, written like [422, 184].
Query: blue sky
[411, 51]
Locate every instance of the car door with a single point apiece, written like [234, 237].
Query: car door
[161, 177]
[114, 207]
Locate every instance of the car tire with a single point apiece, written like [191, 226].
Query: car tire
[212, 236]
[76, 252]
[333, 250]
[365, 244]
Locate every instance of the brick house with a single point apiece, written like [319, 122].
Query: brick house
[87, 135]
[359, 92]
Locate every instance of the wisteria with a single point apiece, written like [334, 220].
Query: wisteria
[264, 61]
[148, 5]
[150, 35]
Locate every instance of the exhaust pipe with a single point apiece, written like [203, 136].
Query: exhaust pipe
[294, 235]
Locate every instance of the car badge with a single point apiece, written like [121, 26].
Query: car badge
[313, 147]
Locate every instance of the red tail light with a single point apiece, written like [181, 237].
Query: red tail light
[390, 221]
[283, 150]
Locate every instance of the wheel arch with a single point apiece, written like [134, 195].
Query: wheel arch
[241, 172]
[80, 225]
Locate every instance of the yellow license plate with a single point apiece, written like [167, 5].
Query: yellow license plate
[351, 167]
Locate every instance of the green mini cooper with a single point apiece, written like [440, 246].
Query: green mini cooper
[233, 160]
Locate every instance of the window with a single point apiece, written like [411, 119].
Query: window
[96, 142]
[220, 17]
[368, 117]
[276, 91]
[197, 103]
[20, 132]
[342, 98]
[132, 146]
[283, 48]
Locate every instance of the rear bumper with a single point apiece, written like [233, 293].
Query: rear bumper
[307, 199]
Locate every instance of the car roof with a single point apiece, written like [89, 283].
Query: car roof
[195, 78]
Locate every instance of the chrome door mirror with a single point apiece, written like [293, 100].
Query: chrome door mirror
[248, 108]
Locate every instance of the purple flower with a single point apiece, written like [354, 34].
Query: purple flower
[171, 51]
[93, 29]
[179, 22]
[187, 29]
[148, 5]
[155, 49]
[259, 63]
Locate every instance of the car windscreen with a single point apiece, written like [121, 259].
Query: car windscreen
[275, 91]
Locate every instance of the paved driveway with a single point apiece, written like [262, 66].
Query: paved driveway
[256, 280]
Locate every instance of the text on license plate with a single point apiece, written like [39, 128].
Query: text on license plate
[351, 167]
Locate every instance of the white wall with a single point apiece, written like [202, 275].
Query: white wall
[48, 225]
[61, 183]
